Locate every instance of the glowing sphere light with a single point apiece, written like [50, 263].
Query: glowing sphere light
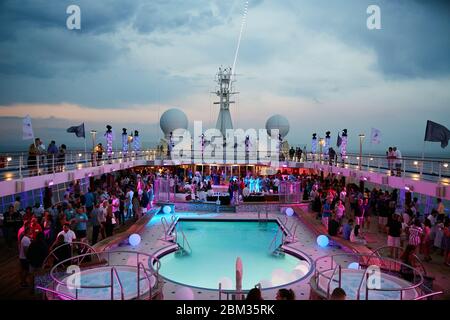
[167, 209]
[134, 239]
[289, 212]
[354, 265]
[323, 241]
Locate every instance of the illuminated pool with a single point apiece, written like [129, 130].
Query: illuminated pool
[217, 244]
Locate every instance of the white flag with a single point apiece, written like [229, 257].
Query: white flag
[27, 129]
[375, 136]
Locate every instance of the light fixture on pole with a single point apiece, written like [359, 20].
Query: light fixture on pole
[93, 134]
[321, 144]
[361, 138]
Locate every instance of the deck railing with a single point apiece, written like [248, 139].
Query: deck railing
[17, 165]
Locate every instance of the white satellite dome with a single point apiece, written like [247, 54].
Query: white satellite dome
[173, 119]
[278, 122]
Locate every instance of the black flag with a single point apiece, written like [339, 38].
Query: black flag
[436, 132]
[339, 141]
[78, 130]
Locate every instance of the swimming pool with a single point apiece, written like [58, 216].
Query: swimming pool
[215, 248]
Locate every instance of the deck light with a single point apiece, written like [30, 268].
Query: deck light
[134, 239]
[323, 241]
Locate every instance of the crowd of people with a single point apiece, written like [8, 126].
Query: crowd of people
[50, 159]
[349, 211]
[82, 216]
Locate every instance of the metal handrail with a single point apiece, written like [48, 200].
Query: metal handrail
[114, 273]
[76, 243]
[429, 295]
[331, 279]
[56, 292]
[16, 162]
[274, 240]
[55, 267]
[360, 284]
[376, 253]
[164, 222]
[185, 240]
[140, 264]
[359, 255]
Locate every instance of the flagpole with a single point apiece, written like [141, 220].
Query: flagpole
[85, 149]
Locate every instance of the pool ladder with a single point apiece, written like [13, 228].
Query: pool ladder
[259, 215]
[182, 248]
[168, 236]
[273, 248]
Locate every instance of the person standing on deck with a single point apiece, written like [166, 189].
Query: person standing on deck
[398, 161]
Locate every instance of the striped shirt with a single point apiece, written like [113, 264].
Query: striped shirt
[415, 234]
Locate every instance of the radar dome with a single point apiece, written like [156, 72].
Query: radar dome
[173, 119]
[278, 122]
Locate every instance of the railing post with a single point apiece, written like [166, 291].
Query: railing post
[37, 163]
[367, 287]
[440, 170]
[20, 166]
[112, 283]
[53, 163]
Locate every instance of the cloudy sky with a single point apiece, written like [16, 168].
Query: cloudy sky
[313, 61]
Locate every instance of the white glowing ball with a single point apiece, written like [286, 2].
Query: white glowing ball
[289, 212]
[184, 293]
[323, 241]
[227, 283]
[167, 209]
[134, 239]
[354, 265]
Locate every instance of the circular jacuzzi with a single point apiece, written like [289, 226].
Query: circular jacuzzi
[95, 284]
[210, 249]
[389, 286]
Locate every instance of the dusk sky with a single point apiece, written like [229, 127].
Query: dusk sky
[313, 61]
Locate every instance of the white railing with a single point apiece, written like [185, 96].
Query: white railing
[364, 260]
[16, 165]
[113, 272]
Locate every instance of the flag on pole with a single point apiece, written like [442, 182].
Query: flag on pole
[78, 130]
[27, 129]
[436, 132]
[339, 140]
[375, 136]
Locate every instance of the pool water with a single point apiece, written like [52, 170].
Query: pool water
[351, 280]
[215, 248]
[102, 277]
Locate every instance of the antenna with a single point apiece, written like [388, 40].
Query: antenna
[244, 19]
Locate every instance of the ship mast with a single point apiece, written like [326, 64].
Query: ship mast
[224, 92]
